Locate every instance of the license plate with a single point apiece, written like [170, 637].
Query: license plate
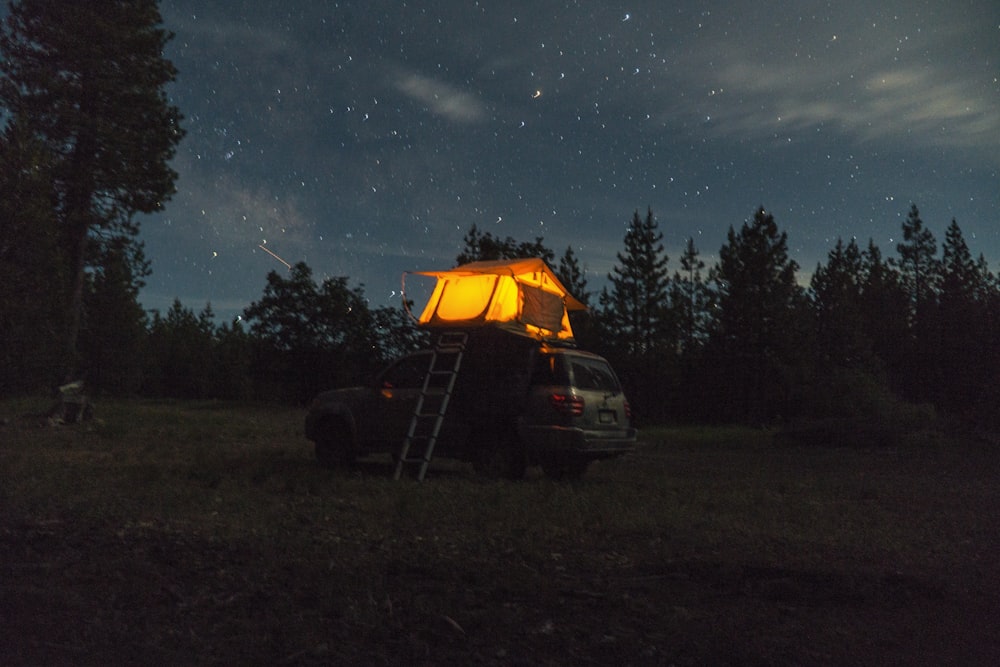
[606, 416]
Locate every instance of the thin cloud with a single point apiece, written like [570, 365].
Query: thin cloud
[442, 99]
[857, 85]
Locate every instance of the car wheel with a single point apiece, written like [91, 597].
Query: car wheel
[565, 468]
[333, 447]
[500, 457]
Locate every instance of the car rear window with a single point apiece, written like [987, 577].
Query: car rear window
[593, 374]
[549, 371]
[558, 369]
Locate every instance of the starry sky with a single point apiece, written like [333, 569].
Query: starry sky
[365, 138]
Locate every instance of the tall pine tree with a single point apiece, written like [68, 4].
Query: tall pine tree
[964, 318]
[918, 268]
[572, 276]
[884, 312]
[635, 311]
[690, 299]
[635, 321]
[835, 291]
[759, 339]
[919, 272]
[86, 79]
[574, 279]
[32, 269]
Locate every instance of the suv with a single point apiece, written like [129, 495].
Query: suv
[515, 403]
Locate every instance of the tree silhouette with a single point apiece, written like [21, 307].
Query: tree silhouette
[634, 324]
[113, 330]
[574, 279]
[884, 312]
[33, 269]
[690, 299]
[312, 337]
[572, 276]
[635, 311]
[963, 323]
[919, 275]
[481, 246]
[179, 357]
[918, 267]
[759, 339]
[86, 80]
[836, 296]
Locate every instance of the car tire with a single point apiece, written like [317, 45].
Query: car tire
[565, 469]
[500, 457]
[333, 447]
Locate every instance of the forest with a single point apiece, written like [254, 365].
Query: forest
[737, 342]
[906, 333]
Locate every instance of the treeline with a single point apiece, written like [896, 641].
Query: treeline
[298, 339]
[869, 338]
[87, 138]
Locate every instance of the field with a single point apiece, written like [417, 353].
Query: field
[204, 533]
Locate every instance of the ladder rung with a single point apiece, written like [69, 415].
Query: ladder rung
[445, 363]
[454, 338]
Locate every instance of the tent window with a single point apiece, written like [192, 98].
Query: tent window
[466, 298]
[541, 309]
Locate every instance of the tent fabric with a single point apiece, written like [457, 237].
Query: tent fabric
[523, 296]
[540, 308]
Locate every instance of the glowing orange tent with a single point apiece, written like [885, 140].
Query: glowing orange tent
[520, 295]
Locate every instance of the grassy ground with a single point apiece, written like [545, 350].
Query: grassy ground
[186, 533]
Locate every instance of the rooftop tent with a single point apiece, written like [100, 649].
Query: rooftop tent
[521, 295]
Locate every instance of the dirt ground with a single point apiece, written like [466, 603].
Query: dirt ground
[77, 594]
[177, 534]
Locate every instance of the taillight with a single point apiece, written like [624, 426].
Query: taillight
[567, 404]
[628, 410]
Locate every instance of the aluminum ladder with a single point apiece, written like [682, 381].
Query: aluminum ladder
[435, 395]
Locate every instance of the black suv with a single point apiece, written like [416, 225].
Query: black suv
[516, 402]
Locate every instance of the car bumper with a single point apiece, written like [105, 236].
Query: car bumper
[575, 441]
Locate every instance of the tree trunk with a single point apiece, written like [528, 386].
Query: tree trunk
[78, 248]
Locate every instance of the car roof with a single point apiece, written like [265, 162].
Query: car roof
[571, 351]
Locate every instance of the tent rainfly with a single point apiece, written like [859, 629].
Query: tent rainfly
[521, 295]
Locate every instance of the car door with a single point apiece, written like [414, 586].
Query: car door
[397, 390]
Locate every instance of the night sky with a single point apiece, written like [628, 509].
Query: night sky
[365, 138]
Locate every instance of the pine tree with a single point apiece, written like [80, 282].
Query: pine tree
[690, 299]
[483, 246]
[918, 267]
[86, 79]
[760, 334]
[180, 353]
[836, 290]
[919, 272]
[635, 311]
[884, 312]
[963, 316]
[962, 277]
[634, 325]
[33, 323]
[113, 330]
[572, 276]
